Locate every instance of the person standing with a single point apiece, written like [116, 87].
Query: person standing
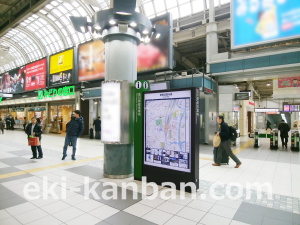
[284, 129]
[25, 123]
[12, 123]
[268, 125]
[35, 129]
[7, 121]
[225, 144]
[74, 130]
[1, 126]
[97, 124]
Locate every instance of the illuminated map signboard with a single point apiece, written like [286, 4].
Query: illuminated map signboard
[168, 130]
[171, 135]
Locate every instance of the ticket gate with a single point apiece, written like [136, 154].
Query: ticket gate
[295, 140]
[274, 139]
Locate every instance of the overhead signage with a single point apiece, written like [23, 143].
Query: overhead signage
[208, 91]
[159, 86]
[6, 95]
[272, 112]
[263, 21]
[61, 68]
[37, 109]
[17, 109]
[290, 82]
[13, 81]
[35, 75]
[0, 99]
[291, 108]
[91, 61]
[264, 110]
[242, 96]
[91, 93]
[52, 93]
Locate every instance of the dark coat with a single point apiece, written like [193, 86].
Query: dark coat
[37, 130]
[75, 126]
[1, 125]
[284, 129]
[97, 124]
[7, 121]
[224, 132]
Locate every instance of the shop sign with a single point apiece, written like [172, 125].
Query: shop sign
[37, 109]
[0, 99]
[17, 109]
[52, 93]
[208, 91]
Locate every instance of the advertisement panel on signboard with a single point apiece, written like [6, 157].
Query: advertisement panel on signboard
[263, 21]
[158, 55]
[13, 81]
[61, 68]
[289, 82]
[91, 61]
[35, 75]
[167, 130]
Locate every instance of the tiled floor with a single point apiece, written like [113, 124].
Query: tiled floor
[66, 204]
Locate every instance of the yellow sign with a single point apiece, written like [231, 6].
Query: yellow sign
[61, 62]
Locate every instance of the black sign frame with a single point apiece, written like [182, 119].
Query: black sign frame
[242, 96]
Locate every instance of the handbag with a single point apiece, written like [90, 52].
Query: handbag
[33, 141]
[217, 141]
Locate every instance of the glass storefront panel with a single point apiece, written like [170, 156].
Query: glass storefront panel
[60, 115]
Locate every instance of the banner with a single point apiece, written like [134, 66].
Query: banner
[13, 81]
[61, 62]
[289, 82]
[91, 61]
[264, 21]
[35, 74]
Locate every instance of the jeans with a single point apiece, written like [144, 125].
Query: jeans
[73, 140]
[226, 146]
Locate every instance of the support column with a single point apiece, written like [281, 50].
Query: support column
[211, 36]
[120, 64]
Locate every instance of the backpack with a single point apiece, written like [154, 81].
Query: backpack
[232, 133]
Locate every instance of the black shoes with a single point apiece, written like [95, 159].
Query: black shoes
[73, 158]
[63, 158]
[33, 158]
[39, 157]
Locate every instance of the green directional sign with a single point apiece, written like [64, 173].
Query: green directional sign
[140, 87]
[63, 91]
[0, 99]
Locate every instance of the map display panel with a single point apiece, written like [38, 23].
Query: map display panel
[167, 130]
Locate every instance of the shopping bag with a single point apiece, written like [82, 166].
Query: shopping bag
[33, 141]
[217, 141]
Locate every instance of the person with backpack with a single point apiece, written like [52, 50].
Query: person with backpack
[97, 124]
[1, 126]
[284, 129]
[225, 145]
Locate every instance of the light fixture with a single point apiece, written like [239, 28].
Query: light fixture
[95, 103]
[145, 32]
[268, 84]
[157, 36]
[124, 13]
[147, 40]
[142, 39]
[97, 27]
[112, 22]
[133, 24]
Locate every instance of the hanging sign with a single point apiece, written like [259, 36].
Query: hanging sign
[51, 93]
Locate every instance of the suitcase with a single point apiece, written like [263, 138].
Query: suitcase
[225, 157]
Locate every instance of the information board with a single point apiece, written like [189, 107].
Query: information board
[167, 130]
[242, 96]
[263, 21]
[35, 75]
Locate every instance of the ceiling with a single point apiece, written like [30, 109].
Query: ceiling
[33, 29]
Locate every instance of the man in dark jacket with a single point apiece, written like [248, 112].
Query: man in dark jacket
[268, 125]
[8, 122]
[284, 132]
[97, 124]
[75, 128]
[225, 144]
[35, 129]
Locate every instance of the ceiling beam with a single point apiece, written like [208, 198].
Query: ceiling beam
[5, 2]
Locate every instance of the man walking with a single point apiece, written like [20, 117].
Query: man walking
[225, 143]
[268, 125]
[284, 132]
[75, 128]
[1, 126]
[35, 129]
[7, 121]
[97, 124]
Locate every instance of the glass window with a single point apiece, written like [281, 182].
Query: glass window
[185, 10]
[174, 13]
[159, 5]
[197, 6]
[180, 2]
[171, 3]
[149, 10]
[225, 1]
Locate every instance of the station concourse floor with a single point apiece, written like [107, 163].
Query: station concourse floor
[279, 168]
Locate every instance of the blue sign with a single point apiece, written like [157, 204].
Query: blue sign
[257, 22]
